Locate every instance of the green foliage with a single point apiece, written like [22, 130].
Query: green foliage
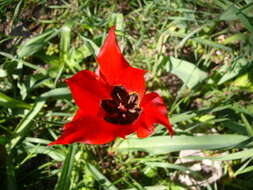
[65, 175]
[190, 74]
[165, 145]
[199, 58]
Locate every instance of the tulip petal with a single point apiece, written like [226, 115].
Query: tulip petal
[154, 111]
[88, 90]
[144, 126]
[91, 130]
[116, 70]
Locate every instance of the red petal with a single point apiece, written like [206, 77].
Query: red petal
[153, 111]
[144, 127]
[115, 69]
[88, 90]
[91, 130]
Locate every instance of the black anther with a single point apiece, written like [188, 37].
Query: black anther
[122, 108]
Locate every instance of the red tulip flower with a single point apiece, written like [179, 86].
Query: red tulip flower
[112, 103]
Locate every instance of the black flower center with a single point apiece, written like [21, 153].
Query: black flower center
[122, 108]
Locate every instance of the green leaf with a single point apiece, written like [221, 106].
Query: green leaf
[101, 178]
[246, 22]
[77, 55]
[212, 44]
[247, 153]
[117, 19]
[32, 66]
[9, 102]
[170, 166]
[91, 45]
[247, 125]
[57, 93]
[35, 146]
[230, 71]
[245, 81]
[229, 13]
[17, 11]
[190, 34]
[65, 32]
[63, 182]
[3, 73]
[235, 38]
[24, 124]
[166, 144]
[10, 172]
[190, 74]
[3, 140]
[176, 118]
[157, 187]
[233, 13]
[36, 43]
[245, 170]
[53, 62]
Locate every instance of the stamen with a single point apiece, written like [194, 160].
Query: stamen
[122, 108]
[119, 94]
[133, 100]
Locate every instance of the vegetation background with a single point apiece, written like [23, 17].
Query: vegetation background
[199, 56]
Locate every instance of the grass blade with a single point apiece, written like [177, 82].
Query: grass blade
[64, 180]
[9, 102]
[212, 44]
[165, 144]
[248, 127]
[190, 74]
[23, 126]
[11, 176]
[101, 178]
[247, 153]
[35, 44]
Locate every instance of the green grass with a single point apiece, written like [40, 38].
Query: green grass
[199, 58]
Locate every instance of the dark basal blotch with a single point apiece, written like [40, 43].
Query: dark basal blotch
[122, 108]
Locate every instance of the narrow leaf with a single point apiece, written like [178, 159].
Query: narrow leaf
[248, 127]
[165, 144]
[9, 102]
[247, 153]
[101, 178]
[64, 181]
[35, 44]
[190, 74]
[24, 124]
